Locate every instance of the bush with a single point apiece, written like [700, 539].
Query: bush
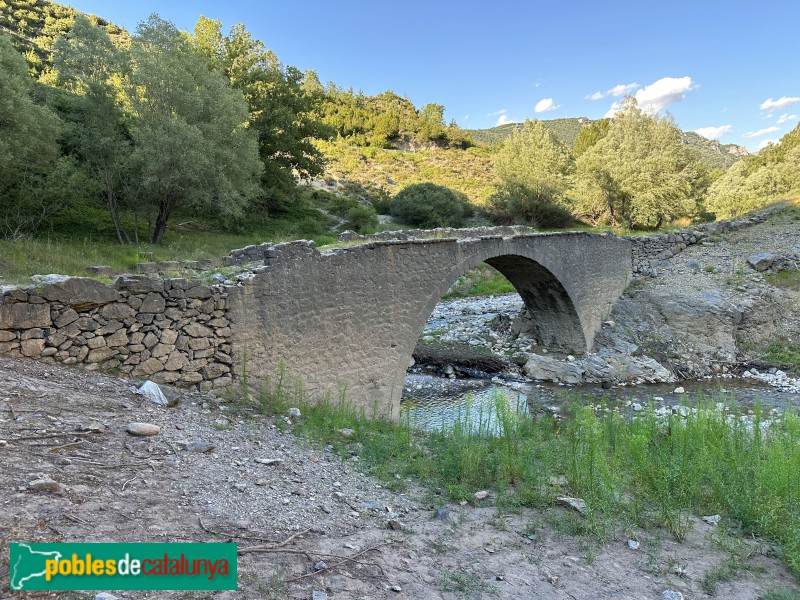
[362, 219]
[427, 205]
[518, 204]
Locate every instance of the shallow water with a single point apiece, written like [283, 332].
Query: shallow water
[432, 402]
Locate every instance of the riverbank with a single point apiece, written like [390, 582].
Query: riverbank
[386, 509]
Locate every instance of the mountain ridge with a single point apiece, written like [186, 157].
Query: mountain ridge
[713, 154]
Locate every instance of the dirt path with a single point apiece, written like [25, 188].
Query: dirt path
[69, 425]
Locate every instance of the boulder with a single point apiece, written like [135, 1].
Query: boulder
[762, 261]
[548, 368]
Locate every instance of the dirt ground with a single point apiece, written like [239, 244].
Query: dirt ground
[200, 479]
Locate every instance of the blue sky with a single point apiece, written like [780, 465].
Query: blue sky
[728, 69]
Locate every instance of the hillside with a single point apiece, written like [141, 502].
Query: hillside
[565, 130]
[35, 25]
[713, 154]
[468, 171]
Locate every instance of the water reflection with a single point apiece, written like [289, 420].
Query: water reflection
[434, 402]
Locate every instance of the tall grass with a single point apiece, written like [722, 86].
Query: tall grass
[643, 470]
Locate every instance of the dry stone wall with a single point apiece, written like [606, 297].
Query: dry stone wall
[650, 250]
[167, 330]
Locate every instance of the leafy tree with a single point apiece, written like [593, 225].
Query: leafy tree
[281, 104]
[533, 157]
[641, 170]
[428, 205]
[515, 203]
[29, 154]
[590, 135]
[191, 144]
[754, 182]
[89, 65]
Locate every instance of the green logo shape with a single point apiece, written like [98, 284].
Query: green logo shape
[116, 566]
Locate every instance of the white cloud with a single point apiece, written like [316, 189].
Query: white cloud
[785, 118]
[544, 105]
[505, 120]
[618, 90]
[502, 111]
[764, 143]
[714, 133]
[782, 102]
[466, 118]
[761, 132]
[660, 94]
[615, 106]
[622, 89]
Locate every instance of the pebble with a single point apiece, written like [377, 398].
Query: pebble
[320, 565]
[317, 595]
[293, 412]
[45, 484]
[441, 514]
[633, 544]
[481, 495]
[712, 519]
[679, 390]
[105, 596]
[143, 429]
[268, 461]
[394, 524]
[346, 433]
[671, 595]
[396, 588]
[200, 446]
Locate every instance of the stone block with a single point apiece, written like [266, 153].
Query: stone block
[32, 348]
[117, 311]
[67, 317]
[24, 316]
[80, 293]
[147, 368]
[153, 303]
[98, 355]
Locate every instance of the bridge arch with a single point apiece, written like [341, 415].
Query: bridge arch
[349, 319]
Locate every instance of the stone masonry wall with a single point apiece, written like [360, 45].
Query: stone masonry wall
[170, 331]
[650, 250]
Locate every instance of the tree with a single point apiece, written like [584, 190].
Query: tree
[281, 102]
[90, 66]
[533, 157]
[428, 205]
[589, 136]
[640, 169]
[29, 150]
[192, 146]
[515, 203]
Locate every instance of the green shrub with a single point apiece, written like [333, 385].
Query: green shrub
[362, 219]
[428, 205]
[515, 203]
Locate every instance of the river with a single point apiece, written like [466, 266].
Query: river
[431, 401]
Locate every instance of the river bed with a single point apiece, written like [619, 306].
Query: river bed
[431, 401]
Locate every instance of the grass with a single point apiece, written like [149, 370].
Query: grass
[70, 248]
[787, 357]
[786, 279]
[483, 280]
[644, 471]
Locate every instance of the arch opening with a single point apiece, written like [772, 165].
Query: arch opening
[546, 316]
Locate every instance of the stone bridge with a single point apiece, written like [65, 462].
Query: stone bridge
[346, 321]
